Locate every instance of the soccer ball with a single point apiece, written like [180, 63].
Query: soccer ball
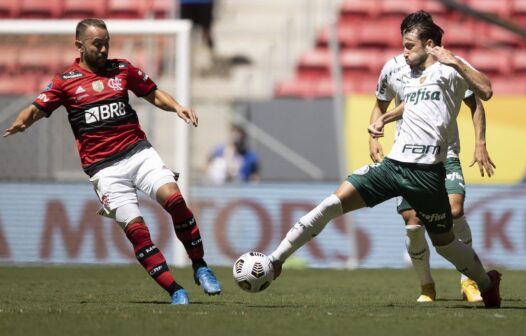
[253, 272]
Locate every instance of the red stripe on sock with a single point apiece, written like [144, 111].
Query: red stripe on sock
[139, 236]
[177, 208]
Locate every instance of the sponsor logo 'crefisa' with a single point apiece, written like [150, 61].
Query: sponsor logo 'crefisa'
[421, 95]
[434, 217]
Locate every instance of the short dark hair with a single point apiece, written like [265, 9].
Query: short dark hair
[414, 18]
[85, 23]
[424, 25]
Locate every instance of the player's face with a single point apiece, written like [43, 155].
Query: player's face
[414, 49]
[95, 46]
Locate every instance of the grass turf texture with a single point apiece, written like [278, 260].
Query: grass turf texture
[123, 300]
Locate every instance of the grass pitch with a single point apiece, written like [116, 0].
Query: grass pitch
[123, 300]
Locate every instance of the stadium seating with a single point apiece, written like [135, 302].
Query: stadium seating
[353, 11]
[360, 62]
[375, 35]
[509, 85]
[502, 37]
[163, 9]
[519, 63]
[127, 9]
[437, 9]
[8, 8]
[458, 35]
[8, 57]
[18, 85]
[397, 9]
[315, 64]
[518, 12]
[296, 88]
[501, 7]
[84, 8]
[366, 43]
[325, 88]
[493, 63]
[347, 36]
[33, 62]
[43, 9]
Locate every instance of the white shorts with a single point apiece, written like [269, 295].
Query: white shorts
[117, 184]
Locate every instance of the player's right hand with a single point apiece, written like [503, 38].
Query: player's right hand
[15, 128]
[376, 152]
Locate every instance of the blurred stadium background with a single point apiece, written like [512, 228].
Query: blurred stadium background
[300, 76]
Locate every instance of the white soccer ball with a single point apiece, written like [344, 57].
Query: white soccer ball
[253, 272]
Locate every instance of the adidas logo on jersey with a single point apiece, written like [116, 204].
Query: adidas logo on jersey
[80, 90]
[104, 112]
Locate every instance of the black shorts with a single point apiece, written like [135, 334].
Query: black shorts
[201, 14]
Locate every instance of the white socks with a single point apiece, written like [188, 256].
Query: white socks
[308, 227]
[466, 261]
[418, 250]
[463, 233]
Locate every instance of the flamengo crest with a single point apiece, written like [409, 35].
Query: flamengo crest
[115, 84]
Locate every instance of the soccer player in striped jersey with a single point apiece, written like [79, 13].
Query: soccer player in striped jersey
[116, 154]
[390, 87]
[414, 168]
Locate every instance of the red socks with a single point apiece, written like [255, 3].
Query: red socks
[150, 257]
[185, 226]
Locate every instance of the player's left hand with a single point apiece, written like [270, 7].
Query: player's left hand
[376, 129]
[188, 115]
[442, 55]
[481, 157]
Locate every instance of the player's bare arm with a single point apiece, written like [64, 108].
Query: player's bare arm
[166, 102]
[477, 81]
[24, 120]
[481, 155]
[376, 129]
[376, 152]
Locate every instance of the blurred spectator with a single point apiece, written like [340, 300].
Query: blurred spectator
[201, 13]
[233, 162]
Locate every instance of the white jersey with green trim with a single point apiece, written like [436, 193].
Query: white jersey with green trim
[390, 87]
[432, 101]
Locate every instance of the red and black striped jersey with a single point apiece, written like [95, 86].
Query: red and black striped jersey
[105, 126]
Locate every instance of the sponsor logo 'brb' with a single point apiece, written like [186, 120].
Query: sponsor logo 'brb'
[104, 112]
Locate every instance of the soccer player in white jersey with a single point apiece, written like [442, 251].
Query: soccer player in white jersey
[414, 168]
[390, 87]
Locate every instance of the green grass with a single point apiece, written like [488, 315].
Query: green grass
[117, 300]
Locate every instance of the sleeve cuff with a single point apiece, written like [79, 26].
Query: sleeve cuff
[47, 113]
[149, 91]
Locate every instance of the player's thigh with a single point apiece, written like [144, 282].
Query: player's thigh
[426, 192]
[455, 186]
[350, 197]
[114, 187]
[454, 177]
[151, 174]
[407, 212]
[373, 183]
[410, 217]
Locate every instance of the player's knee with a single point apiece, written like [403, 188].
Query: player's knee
[457, 210]
[442, 239]
[128, 214]
[136, 220]
[410, 217]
